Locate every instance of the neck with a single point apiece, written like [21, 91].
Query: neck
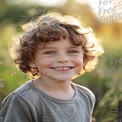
[57, 89]
[51, 84]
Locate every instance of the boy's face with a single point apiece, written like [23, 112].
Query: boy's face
[59, 60]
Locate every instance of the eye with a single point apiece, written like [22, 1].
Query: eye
[50, 52]
[73, 51]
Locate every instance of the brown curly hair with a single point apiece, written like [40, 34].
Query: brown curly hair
[52, 27]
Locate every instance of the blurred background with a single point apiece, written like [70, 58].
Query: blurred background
[105, 18]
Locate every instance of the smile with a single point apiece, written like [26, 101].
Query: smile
[63, 68]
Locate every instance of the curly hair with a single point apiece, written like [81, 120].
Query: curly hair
[52, 27]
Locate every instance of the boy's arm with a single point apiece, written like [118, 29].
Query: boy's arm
[15, 109]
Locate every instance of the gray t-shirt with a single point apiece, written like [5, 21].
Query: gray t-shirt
[28, 104]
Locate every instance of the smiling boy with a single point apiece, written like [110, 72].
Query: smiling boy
[55, 50]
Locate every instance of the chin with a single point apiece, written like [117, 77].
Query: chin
[62, 78]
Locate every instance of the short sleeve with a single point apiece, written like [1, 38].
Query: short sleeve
[88, 97]
[15, 109]
[91, 98]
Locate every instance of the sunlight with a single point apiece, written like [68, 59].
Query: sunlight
[46, 3]
[52, 2]
[84, 1]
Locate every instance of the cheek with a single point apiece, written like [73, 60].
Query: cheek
[79, 64]
[78, 61]
[44, 62]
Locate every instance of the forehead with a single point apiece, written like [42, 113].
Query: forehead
[62, 43]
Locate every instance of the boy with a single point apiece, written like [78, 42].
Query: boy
[54, 49]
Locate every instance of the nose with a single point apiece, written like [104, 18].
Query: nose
[62, 58]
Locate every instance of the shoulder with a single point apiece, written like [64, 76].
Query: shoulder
[84, 90]
[24, 93]
[17, 105]
[23, 89]
[86, 94]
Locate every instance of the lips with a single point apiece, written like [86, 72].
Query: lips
[62, 68]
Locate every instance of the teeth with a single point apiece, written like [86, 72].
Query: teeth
[62, 68]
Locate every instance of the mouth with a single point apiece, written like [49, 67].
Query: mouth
[62, 68]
